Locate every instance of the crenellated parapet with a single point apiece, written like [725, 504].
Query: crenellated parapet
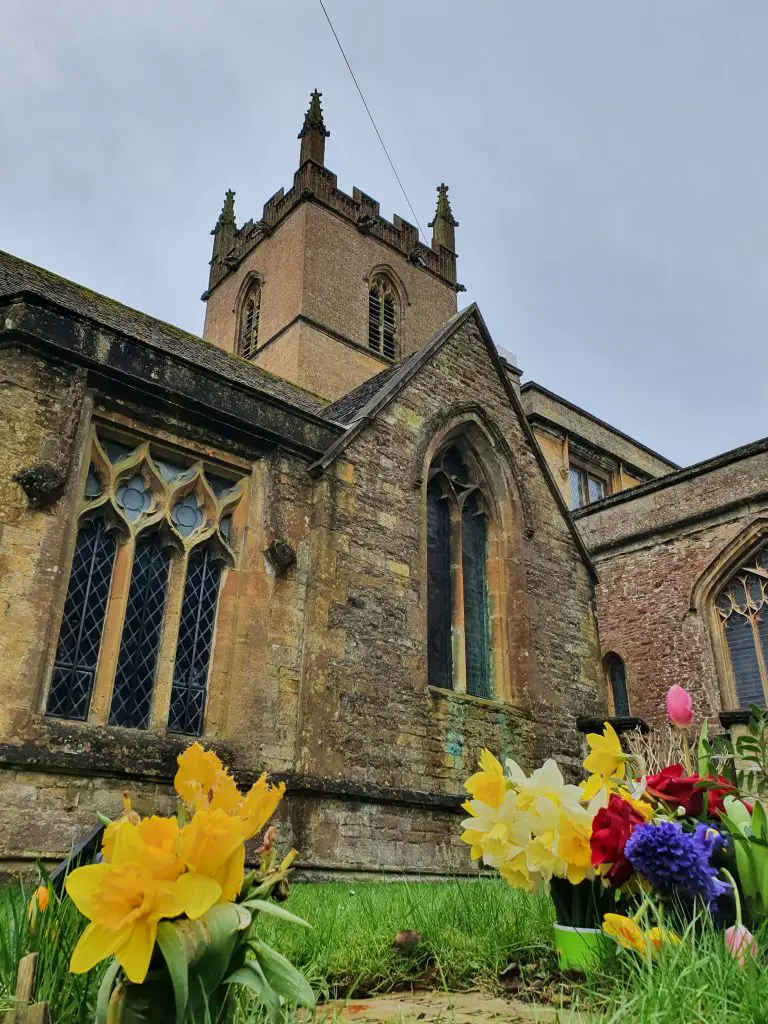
[313, 183]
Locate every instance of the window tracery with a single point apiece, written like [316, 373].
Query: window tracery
[742, 615]
[458, 607]
[160, 518]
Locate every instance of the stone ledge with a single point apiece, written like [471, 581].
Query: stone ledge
[621, 723]
[480, 702]
[85, 752]
[737, 716]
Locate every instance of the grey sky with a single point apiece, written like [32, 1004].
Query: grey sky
[607, 162]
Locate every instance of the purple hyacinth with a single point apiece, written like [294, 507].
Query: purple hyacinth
[673, 860]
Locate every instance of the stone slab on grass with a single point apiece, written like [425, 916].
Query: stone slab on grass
[442, 1008]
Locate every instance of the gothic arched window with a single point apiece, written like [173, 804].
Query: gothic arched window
[742, 614]
[617, 681]
[382, 317]
[163, 524]
[458, 607]
[248, 332]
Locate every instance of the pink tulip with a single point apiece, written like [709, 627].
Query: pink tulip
[679, 707]
[740, 942]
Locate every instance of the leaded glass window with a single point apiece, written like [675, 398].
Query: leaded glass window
[193, 654]
[617, 680]
[474, 553]
[585, 486]
[142, 632]
[82, 625]
[439, 586]
[742, 613]
[382, 317]
[458, 602]
[167, 525]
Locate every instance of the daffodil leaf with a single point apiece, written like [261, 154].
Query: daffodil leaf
[266, 907]
[251, 976]
[172, 948]
[283, 976]
[105, 992]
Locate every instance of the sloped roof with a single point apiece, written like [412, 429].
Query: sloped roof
[17, 277]
[364, 404]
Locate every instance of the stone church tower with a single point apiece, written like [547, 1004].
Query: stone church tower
[313, 268]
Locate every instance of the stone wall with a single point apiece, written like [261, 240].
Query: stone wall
[318, 676]
[652, 548]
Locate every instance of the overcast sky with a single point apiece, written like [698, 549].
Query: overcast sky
[608, 165]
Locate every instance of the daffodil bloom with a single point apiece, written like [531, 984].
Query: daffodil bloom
[606, 758]
[212, 847]
[625, 931]
[110, 832]
[546, 781]
[515, 872]
[489, 784]
[203, 782]
[41, 897]
[258, 806]
[495, 833]
[124, 902]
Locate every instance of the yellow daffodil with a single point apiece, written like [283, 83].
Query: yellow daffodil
[489, 784]
[495, 833]
[573, 847]
[110, 832]
[625, 931]
[546, 781]
[259, 805]
[606, 758]
[212, 847]
[124, 902]
[203, 782]
[160, 835]
[515, 872]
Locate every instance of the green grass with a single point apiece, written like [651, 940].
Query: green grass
[470, 931]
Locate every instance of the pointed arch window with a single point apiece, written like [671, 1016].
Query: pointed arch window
[458, 603]
[166, 526]
[741, 607]
[382, 317]
[616, 674]
[248, 331]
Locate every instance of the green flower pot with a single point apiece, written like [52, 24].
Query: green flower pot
[581, 949]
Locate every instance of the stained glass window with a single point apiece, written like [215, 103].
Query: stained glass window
[193, 654]
[742, 608]
[439, 587]
[476, 621]
[456, 515]
[140, 647]
[77, 653]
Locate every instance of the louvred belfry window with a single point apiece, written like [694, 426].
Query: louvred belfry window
[164, 524]
[742, 611]
[382, 318]
[458, 604]
[248, 335]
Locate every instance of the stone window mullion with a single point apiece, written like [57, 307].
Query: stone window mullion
[113, 632]
[167, 656]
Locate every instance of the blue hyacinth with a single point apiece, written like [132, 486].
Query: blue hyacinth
[676, 861]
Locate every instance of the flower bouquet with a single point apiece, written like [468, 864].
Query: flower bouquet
[171, 905]
[664, 846]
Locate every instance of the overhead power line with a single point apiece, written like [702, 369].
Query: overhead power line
[370, 115]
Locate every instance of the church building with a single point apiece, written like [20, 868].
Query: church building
[334, 539]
